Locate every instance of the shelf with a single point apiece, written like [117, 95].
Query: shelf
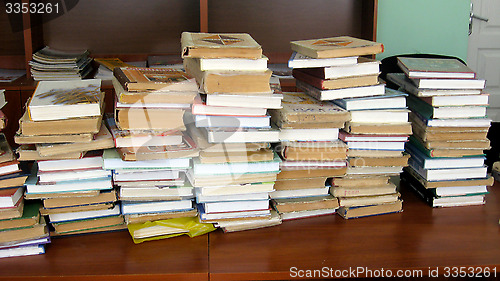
[419, 238]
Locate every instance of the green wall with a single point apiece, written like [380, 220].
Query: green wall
[423, 26]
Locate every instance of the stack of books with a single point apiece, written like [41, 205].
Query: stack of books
[332, 69]
[3, 102]
[152, 151]
[50, 64]
[62, 130]
[22, 230]
[448, 115]
[236, 169]
[311, 152]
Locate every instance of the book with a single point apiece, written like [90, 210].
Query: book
[374, 171]
[200, 198]
[61, 127]
[134, 79]
[21, 251]
[235, 189]
[368, 200]
[13, 179]
[336, 83]
[219, 45]
[321, 151]
[428, 111]
[307, 214]
[233, 206]
[359, 181]
[150, 119]
[328, 134]
[229, 179]
[362, 67]
[299, 107]
[240, 135]
[435, 68]
[112, 63]
[235, 82]
[168, 61]
[22, 234]
[233, 121]
[65, 138]
[299, 193]
[242, 225]
[487, 181]
[364, 211]
[378, 161]
[56, 100]
[376, 145]
[390, 100]
[201, 108]
[340, 191]
[32, 186]
[9, 167]
[346, 137]
[244, 101]
[72, 216]
[444, 152]
[449, 83]
[155, 193]
[233, 64]
[298, 60]
[236, 156]
[6, 153]
[300, 183]
[295, 173]
[51, 177]
[69, 227]
[334, 47]
[305, 204]
[378, 129]
[13, 212]
[102, 140]
[92, 160]
[383, 116]
[453, 122]
[319, 94]
[29, 153]
[141, 218]
[113, 161]
[154, 207]
[428, 162]
[457, 100]
[10, 196]
[186, 149]
[448, 173]
[152, 175]
[102, 197]
[236, 168]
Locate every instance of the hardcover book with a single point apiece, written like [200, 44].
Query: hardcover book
[135, 79]
[435, 68]
[334, 47]
[223, 45]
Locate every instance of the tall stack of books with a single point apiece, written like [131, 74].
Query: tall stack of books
[450, 127]
[332, 69]
[62, 130]
[236, 169]
[311, 152]
[50, 64]
[152, 150]
[22, 230]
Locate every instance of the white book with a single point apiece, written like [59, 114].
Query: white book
[353, 92]
[20, 251]
[246, 101]
[233, 215]
[234, 206]
[298, 60]
[200, 108]
[113, 161]
[456, 201]
[156, 207]
[260, 187]
[155, 193]
[68, 186]
[460, 190]
[206, 169]
[232, 121]
[374, 171]
[47, 177]
[236, 64]
[121, 175]
[313, 164]
[70, 164]
[237, 135]
[457, 100]
[53, 100]
[61, 217]
[295, 193]
[448, 174]
[377, 145]
[391, 116]
[307, 214]
[449, 83]
[392, 99]
[231, 197]
[363, 67]
[453, 112]
[328, 134]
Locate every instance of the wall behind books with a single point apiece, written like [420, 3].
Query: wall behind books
[423, 26]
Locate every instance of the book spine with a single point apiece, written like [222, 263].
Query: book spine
[121, 77]
[303, 76]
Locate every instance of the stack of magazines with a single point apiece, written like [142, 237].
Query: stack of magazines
[50, 64]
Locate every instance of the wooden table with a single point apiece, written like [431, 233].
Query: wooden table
[420, 238]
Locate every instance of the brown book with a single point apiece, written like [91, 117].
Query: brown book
[298, 107]
[135, 79]
[339, 83]
[359, 181]
[30, 217]
[379, 161]
[82, 208]
[13, 180]
[488, 181]
[25, 233]
[378, 129]
[352, 191]
[67, 126]
[335, 47]
[368, 200]
[6, 153]
[79, 225]
[28, 152]
[187, 149]
[231, 179]
[102, 197]
[90, 193]
[63, 138]
[152, 97]
[247, 156]
[300, 183]
[102, 140]
[311, 173]
[357, 212]
[92, 230]
[150, 119]
[312, 150]
[234, 82]
[14, 212]
[305, 204]
[219, 45]
[140, 218]
[319, 125]
[472, 144]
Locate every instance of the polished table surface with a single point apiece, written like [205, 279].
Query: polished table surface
[420, 238]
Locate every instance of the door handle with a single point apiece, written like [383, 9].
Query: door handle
[474, 16]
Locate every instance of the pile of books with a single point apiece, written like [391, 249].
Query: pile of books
[62, 131]
[152, 151]
[448, 115]
[311, 152]
[236, 168]
[332, 69]
[50, 64]
[22, 230]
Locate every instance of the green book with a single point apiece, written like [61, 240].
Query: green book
[30, 217]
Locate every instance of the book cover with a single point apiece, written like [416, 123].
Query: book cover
[112, 63]
[435, 68]
[342, 46]
[338, 83]
[218, 45]
[164, 79]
